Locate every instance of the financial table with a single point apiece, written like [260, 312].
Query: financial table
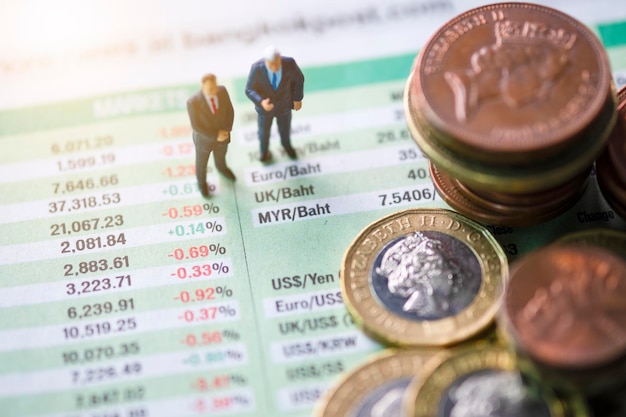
[125, 293]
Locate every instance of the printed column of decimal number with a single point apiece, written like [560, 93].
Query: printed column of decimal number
[213, 345]
[190, 220]
[201, 263]
[88, 180]
[211, 340]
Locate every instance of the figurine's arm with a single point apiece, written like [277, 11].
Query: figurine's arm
[230, 112]
[194, 116]
[250, 91]
[297, 86]
[253, 79]
[298, 83]
[229, 115]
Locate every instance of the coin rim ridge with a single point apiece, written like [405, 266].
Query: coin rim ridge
[404, 332]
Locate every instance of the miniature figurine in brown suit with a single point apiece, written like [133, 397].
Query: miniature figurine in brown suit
[211, 114]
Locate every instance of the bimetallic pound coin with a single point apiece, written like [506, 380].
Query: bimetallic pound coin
[575, 405]
[478, 382]
[564, 306]
[375, 388]
[423, 277]
[511, 79]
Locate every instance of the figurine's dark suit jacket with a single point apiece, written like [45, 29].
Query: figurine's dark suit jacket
[205, 126]
[290, 89]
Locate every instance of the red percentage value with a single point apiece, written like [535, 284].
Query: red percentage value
[190, 211]
[232, 401]
[176, 131]
[201, 251]
[184, 148]
[176, 171]
[198, 271]
[208, 338]
[219, 381]
[204, 294]
[222, 403]
[208, 313]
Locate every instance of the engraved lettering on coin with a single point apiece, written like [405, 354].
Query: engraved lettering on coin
[520, 68]
[426, 276]
[491, 393]
[385, 401]
[584, 290]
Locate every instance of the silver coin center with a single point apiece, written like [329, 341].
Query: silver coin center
[426, 275]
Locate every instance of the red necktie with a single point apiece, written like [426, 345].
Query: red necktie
[213, 106]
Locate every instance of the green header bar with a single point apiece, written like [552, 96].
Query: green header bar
[94, 109]
[346, 75]
[154, 101]
[613, 34]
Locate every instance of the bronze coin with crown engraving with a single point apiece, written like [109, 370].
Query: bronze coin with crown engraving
[616, 146]
[547, 201]
[553, 195]
[613, 189]
[451, 192]
[611, 165]
[508, 81]
[531, 175]
[512, 103]
[564, 306]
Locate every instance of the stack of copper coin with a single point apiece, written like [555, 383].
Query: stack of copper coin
[611, 165]
[511, 103]
[564, 313]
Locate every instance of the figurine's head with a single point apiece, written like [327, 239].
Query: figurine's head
[209, 84]
[272, 58]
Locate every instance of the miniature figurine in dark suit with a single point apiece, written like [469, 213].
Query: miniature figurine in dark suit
[211, 114]
[275, 86]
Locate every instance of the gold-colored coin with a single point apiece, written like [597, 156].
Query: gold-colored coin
[477, 382]
[574, 405]
[375, 387]
[423, 277]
